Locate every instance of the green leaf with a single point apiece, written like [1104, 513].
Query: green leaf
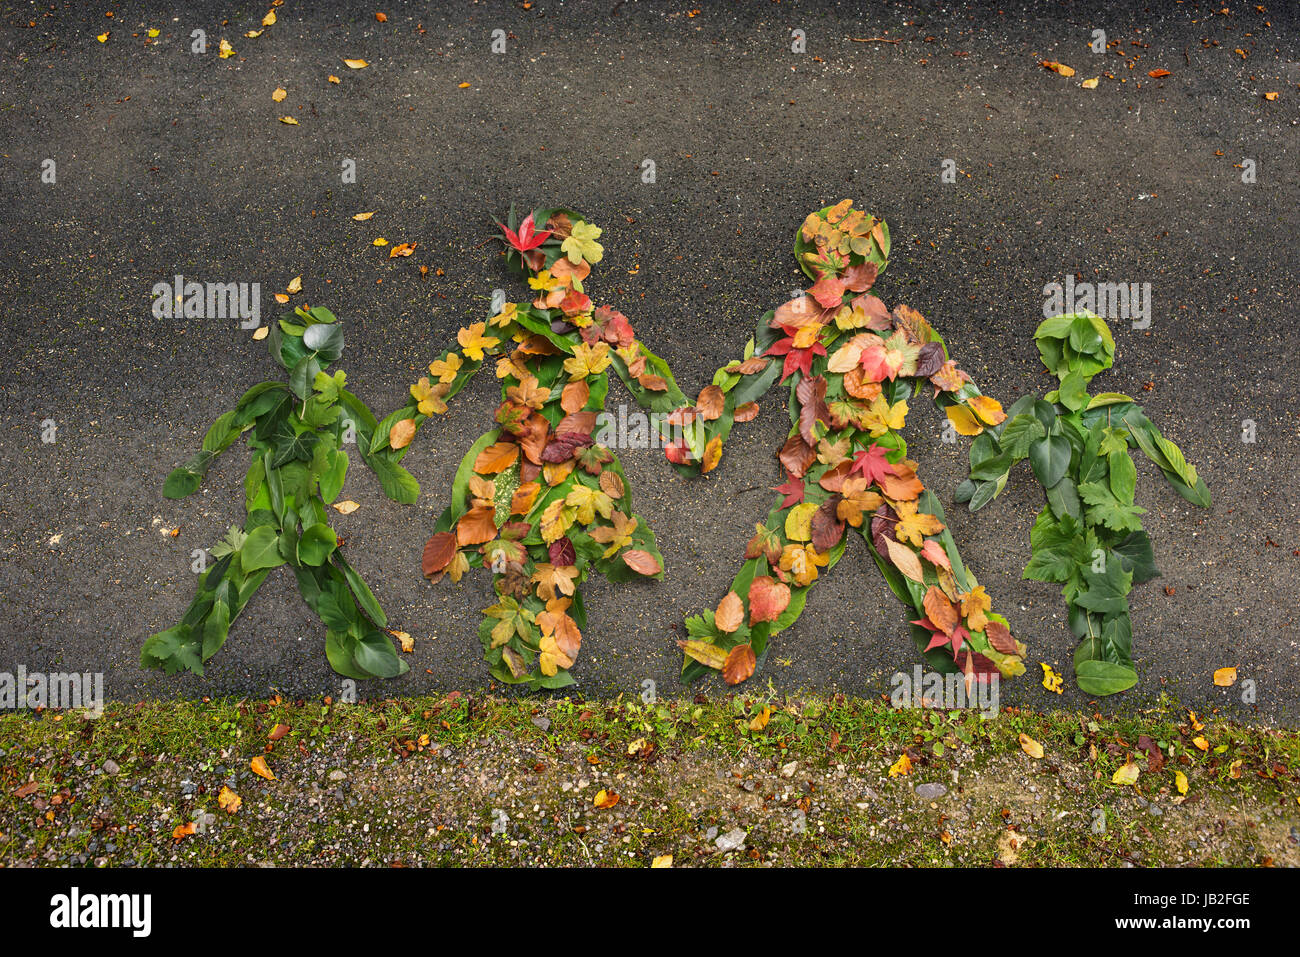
[375, 654]
[1100, 678]
[316, 543]
[261, 549]
[1050, 458]
[1018, 433]
[1123, 475]
[181, 482]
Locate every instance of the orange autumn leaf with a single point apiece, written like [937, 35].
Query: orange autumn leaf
[229, 801]
[730, 614]
[400, 435]
[476, 526]
[1030, 746]
[497, 457]
[521, 503]
[987, 408]
[746, 412]
[933, 552]
[1225, 677]
[710, 403]
[1059, 68]
[712, 454]
[575, 395]
[641, 562]
[258, 767]
[902, 484]
[913, 526]
[183, 831]
[605, 799]
[1157, 74]
[901, 767]
[438, 553]
[739, 665]
[940, 611]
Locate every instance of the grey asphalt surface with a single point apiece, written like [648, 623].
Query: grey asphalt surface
[172, 162]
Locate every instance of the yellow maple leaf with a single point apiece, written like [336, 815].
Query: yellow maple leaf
[229, 801]
[588, 501]
[913, 526]
[473, 341]
[880, 416]
[587, 360]
[447, 367]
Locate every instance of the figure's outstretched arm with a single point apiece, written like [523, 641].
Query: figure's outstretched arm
[185, 479]
[1167, 456]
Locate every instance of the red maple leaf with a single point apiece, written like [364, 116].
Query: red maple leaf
[871, 464]
[525, 239]
[792, 489]
[800, 359]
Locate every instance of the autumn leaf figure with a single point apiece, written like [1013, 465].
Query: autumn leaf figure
[541, 499]
[852, 365]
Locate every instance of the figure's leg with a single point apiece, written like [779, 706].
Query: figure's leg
[223, 591]
[915, 551]
[767, 595]
[1103, 659]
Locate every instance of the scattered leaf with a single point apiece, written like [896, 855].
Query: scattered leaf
[258, 767]
[1030, 746]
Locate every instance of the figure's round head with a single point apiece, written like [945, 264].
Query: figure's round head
[839, 238]
[543, 237]
[1078, 342]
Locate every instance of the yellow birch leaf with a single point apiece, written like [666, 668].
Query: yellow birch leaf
[1128, 774]
[1225, 677]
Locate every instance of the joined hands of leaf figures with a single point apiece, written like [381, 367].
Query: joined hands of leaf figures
[540, 499]
[852, 365]
[1089, 536]
[296, 431]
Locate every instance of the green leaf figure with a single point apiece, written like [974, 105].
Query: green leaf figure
[296, 431]
[1089, 536]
